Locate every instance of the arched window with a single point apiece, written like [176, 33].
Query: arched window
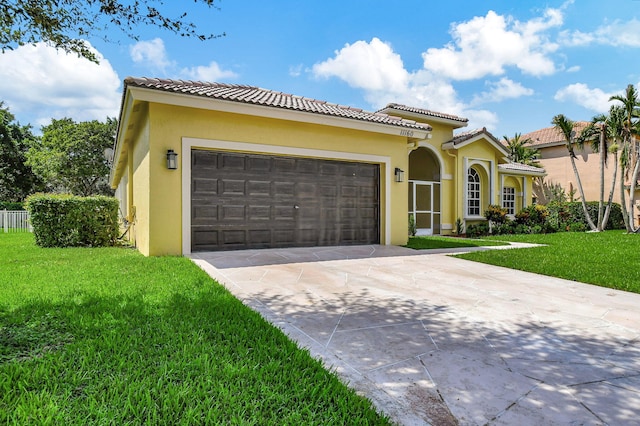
[473, 192]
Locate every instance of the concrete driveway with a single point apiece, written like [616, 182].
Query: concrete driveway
[434, 339]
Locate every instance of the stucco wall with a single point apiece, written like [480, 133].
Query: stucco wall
[557, 164]
[170, 124]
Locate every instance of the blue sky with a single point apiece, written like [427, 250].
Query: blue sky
[505, 65]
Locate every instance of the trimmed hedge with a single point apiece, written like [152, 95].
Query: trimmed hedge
[570, 217]
[544, 219]
[10, 205]
[63, 220]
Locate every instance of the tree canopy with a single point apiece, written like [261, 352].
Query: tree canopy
[521, 151]
[17, 179]
[70, 156]
[66, 24]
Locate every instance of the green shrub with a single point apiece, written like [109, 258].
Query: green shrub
[10, 205]
[62, 220]
[533, 215]
[479, 229]
[496, 214]
[412, 226]
[565, 215]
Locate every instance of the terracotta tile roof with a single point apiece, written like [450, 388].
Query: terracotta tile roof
[551, 135]
[257, 96]
[470, 134]
[425, 112]
[520, 167]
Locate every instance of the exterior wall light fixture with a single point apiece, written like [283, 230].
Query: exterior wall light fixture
[399, 174]
[172, 160]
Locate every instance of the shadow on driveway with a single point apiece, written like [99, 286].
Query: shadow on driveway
[434, 339]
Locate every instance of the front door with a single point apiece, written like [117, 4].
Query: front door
[424, 205]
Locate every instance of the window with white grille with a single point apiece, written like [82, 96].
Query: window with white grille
[473, 193]
[509, 199]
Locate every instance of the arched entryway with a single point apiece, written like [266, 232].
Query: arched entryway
[424, 191]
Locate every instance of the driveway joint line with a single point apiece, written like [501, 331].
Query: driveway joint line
[398, 362]
[336, 327]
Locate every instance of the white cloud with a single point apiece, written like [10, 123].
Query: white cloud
[151, 53]
[487, 45]
[211, 72]
[574, 68]
[617, 33]
[501, 90]
[39, 82]
[295, 70]
[372, 66]
[579, 93]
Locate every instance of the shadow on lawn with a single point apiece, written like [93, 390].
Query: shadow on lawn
[437, 358]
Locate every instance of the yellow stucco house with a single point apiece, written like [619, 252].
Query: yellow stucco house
[207, 166]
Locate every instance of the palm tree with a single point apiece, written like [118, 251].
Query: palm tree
[565, 127]
[603, 133]
[519, 152]
[629, 154]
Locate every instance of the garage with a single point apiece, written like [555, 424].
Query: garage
[244, 201]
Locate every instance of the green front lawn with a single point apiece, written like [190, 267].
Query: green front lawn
[608, 259]
[107, 336]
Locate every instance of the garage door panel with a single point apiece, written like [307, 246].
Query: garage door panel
[204, 214]
[233, 212]
[286, 212]
[259, 188]
[348, 191]
[368, 193]
[259, 236]
[259, 213]
[283, 164]
[205, 186]
[233, 237]
[203, 161]
[255, 201]
[368, 212]
[284, 189]
[306, 166]
[205, 238]
[232, 187]
[233, 162]
[306, 190]
[259, 164]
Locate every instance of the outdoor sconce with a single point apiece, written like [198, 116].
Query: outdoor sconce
[399, 174]
[172, 160]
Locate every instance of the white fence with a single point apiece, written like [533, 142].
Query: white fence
[15, 221]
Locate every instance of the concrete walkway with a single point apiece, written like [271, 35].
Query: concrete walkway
[434, 339]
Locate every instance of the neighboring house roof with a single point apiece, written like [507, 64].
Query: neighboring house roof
[421, 113]
[520, 168]
[550, 136]
[465, 138]
[264, 97]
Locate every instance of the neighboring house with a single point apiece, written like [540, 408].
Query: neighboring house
[257, 169]
[554, 157]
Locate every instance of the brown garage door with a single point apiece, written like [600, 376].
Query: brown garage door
[241, 201]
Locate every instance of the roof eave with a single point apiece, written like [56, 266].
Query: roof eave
[208, 103]
[540, 173]
[456, 124]
[497, 145]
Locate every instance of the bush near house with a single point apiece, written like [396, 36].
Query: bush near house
[565, 216]
[10, 205]
[63, 220]
[556, 216]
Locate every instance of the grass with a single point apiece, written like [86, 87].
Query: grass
[107, 336]
[608, 259]
[436, 242]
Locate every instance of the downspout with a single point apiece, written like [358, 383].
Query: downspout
[455, 188]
